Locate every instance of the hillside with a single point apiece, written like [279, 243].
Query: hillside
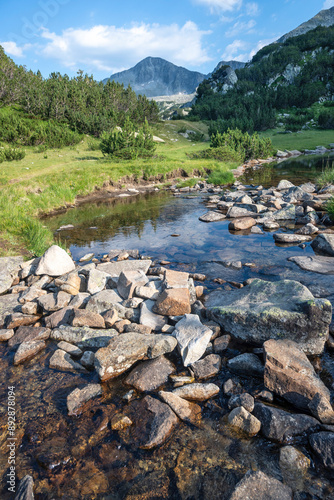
[154, 76]
[323, 18]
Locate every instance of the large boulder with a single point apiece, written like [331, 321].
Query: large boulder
[324, 244]
[290, 374]
[55, 262]
[273, 310]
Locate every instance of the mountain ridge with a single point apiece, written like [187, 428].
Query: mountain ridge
[323, 18]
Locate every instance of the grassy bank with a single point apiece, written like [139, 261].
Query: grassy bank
[306, 139]
[51, 179]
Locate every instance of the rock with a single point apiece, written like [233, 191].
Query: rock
[270, 225]
[315, 264]
[9, 304]
[245, 400]
[221, 343]
[188, 412]
[16, 320]
[237, 212]
[231, 387]
[308, 229]
[212, 217]
[264, 310]
[290, 374]
[149, 318]
[82, 317]
[197, 392]
[173, 302]
[279, 425]
[175, 279]
[150, 375]
[28, 350]
[283, 184]
[114, 269]
[259, 486]
[128, 281]
[321, 409]
[30, 308]
[207, 367]
[121, 325]
[120, 422]
[242, 224]
[6, 334]
[192, 338]
[59, 318]
[163, 422]
[25, 490]
[110, 318]
[86, 257]
[31, 293]
[80, 300]
[54, 301]
[83, 337]
[61, 360]
[145, 330]
[9, 268]
[96, 281]
[87, 360]
[80, 396]
[103, 301]
[122, 352]
[73, 350]
[55, 262]
[132, 303]
[146, 292]
[322, 444]
[70, 283]
[242, 420]
[294, 239]
[286, 213]
[256, 230]
[246, 365]
[28, 334]
[293, 464]
[324, 244]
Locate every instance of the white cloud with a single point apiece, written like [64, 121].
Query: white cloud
[241, 28]
[252, 9]
[260, 44]
[328, 4]
[12, 49]
[221, 5]
[232, 51]
[108, 48]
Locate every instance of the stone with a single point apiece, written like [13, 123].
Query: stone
[186, 411]
[17, 319]
[212, 217]
[282, 426]
[149, 318]
[54, 301]
[207, 367]
[192, 338]
[9, 269]
[270, 225]
[128, 281]
[145, 330]
[73, 350]
[293, 239]
[28, 334]
[80, 300]
[103, 301]
[197, 391]
[122, 352]
[121, 325]
[246, 365]
[241, 419]
[30, 308]
[322, 444]
[173, 302]
[163, 422]
[245, 400]
[284, 184]
[293, 463]
[220, 344]
[28, 350]
[175, 279]
[150, 375]
[259, 486]
[61, 360]
[83, 337]
[256, 230]
[114, 269]
[237, 212]
[80, 396]
[242, 224]
[96, 281]
[286, 213]
[9, 304]
[87, 360]
[132, 303]
[290, 374]
[86, 257]
[273, 310]
[6, 334]
[145, 292]
[31, 293]
[70, 283]
[82, 317]
[315, 264]
[62, 317]
[322, 409]
[55, 262]
[324, 244]
[308, 229]
[25, 490]
[120, 422]
[110, 318]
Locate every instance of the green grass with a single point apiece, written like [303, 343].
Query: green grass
[187, 183]
[330, 208]
[307, 139]
[221, 176]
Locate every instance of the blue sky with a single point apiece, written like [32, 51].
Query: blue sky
[107, 36]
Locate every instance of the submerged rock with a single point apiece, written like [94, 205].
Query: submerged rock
[242, 420]
[80, 396]
[273, 310]
[163, 422]
[186, 411]
[315, 264]
[28, 350]
[25, 490]
[259, 486]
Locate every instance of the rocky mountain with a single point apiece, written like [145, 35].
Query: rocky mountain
[232, 64]
[154, 76]
[323, 18]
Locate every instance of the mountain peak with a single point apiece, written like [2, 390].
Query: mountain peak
[323, 18]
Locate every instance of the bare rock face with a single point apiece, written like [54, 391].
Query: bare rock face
[151, 374]
[55, 262]
[273, 310]
[259, 486]
[80, 396]
[186, 411]
[123, 351]
[314, 263]
[290, 374]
